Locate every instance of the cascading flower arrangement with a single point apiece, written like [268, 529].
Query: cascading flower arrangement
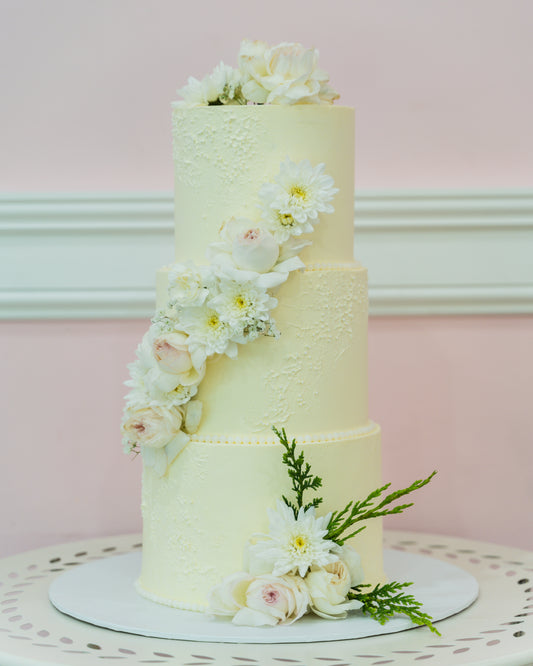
[284, 74]
[214, 308]
[304, 565]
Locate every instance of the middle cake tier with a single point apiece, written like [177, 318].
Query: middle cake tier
[313, 378]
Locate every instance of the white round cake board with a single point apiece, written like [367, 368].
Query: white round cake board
[103, 593]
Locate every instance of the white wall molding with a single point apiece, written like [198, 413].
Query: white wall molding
[95, 255]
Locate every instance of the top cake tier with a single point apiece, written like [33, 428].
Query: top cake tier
[223, 154]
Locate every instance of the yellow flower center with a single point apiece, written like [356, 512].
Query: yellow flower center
[240, 302]
[213, 321]
[285, 219]
[299, 543]
[299, 192]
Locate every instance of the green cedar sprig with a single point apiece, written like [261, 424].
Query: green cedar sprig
[300, 473]
[385, 601]
[355, 512]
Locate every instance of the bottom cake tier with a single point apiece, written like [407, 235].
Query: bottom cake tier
[199, 516]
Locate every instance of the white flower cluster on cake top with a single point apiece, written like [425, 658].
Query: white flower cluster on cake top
[284, 74]
[214, 308]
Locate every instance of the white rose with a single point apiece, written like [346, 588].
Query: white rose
[255, 249]
[230, 595]
[186, 285]
[352, 560]
[172, 355]
[244, 242]
[161, 356]
[154, 427]
[283, 74]
[272, 600]
[328, 588]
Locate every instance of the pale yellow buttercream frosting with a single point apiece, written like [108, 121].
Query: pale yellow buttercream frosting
[223, 155]
[312, 380]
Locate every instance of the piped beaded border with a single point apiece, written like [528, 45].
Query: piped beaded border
[324, 438]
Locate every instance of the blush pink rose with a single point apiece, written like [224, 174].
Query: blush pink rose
[272, 600]
[154, 427]
[172, 353]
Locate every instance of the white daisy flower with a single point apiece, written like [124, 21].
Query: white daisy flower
[292, 544]
[281, 225]
[222, 86]
[209, 333]
[291, 204]
[242, 304]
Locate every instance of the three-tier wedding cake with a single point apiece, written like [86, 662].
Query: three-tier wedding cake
[261, 322]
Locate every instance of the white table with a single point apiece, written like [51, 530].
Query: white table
[496, 629]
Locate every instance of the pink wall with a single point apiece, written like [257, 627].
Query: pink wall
[442, 88]
[452, 394]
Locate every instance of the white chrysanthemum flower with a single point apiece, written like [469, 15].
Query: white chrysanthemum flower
[192, 93]
[209, 333]
[292, 544]
[242, 304]
[291, 203]
[222, 86]
[281, 225]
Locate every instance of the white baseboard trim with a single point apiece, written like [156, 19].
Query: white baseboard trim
[95, 255]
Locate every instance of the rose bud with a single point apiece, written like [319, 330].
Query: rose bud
[255, 250]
